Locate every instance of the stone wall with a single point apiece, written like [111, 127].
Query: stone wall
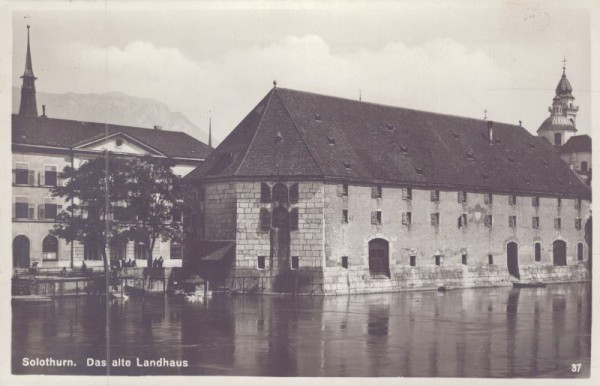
[323, 237]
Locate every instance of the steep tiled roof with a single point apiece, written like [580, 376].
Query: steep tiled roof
[300, 134]
[68, 133]
[577, 143]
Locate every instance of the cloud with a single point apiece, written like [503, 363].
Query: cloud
[440, 75]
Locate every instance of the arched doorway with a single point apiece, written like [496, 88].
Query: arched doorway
[559, 252]
[21, 252]
[512, 259]
[379, 264]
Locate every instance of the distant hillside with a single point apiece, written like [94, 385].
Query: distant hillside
[112, 107]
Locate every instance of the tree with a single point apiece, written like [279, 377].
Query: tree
[91, 192]
[136, 199]
[155, 197]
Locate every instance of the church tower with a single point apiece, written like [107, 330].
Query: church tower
[560, 125]
[28, 107]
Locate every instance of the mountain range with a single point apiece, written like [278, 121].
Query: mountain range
[112, 107]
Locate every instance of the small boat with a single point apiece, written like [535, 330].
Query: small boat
[444, 288]
[531, 284]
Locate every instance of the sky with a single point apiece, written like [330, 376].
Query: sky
[458, 58]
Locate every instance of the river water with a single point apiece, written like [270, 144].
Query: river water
[492, 332]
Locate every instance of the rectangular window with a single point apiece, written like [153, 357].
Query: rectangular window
[580, 251]
[50, 175]
[535, 201]
[294, 219]
[345, 216]
[558, 202]
[295, 262]
[345, 262]
[487, 220]
[342, 190]
[406, 218]
[406, 193]
[50, 208]
[584, 166]
[21, 207]
[462, 220]
[435, 219]
[376, 191]
[578, 204]
[487, 198]
[435, 196]
[376, 218]
[294, 193]
[512, 199]
[176, 251]
[265, 193]
[538, 251]
[464, 258]
[265, 219]
[578, 223]
[462, 196]
[413, 261]
[557, 223]
[22, 173]
[490, 259]
[512, 221]
[438, 260]
[260, 264]
[535, 222]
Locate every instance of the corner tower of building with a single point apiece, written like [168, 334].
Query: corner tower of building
[28, 106]
[560, 125]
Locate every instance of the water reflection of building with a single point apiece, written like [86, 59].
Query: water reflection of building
[344, 196]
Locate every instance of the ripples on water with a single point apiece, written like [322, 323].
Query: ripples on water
[495, 332]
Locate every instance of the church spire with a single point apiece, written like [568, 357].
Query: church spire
[28, 105]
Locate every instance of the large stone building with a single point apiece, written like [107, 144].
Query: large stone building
[43, 146]
[327, 195]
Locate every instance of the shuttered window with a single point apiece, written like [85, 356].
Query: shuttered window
[294, 194]
[535, 222]
[294, 219]
[557, 223]
[376, 191]
[487, 198]
[512, 221]
[376, 218]
[435, 219]
[406, 218]
[435, 196]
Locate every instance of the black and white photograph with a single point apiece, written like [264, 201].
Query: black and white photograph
[367, 191]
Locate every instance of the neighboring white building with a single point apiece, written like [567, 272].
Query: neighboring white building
[42, 147]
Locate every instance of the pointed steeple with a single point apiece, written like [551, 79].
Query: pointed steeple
[28, 105]
[209, 129]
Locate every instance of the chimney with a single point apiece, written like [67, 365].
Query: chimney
[157, 127]
[490, 125]
[44, 111]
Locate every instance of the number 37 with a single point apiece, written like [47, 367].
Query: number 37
[575, 367]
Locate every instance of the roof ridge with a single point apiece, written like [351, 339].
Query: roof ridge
[105, 123]
[300, 134]
[255, 132]
[397, 107]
